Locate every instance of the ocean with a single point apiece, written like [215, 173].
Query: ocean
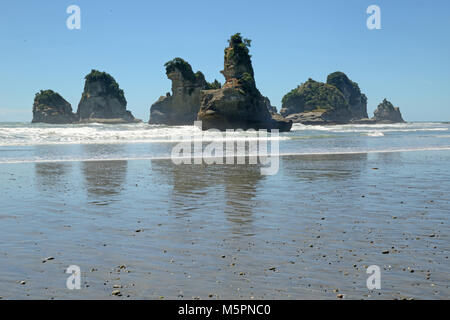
[22, 142]
[109, 199]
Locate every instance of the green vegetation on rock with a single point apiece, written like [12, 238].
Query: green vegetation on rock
[247, 81]
[182, 66]
[110, 84]
[50, 107]
[48, 97]
[239, 44]
[340, 79]
[237, 55]
[182, 106]
[339, 99]
[314, 96]
[350, 89]
[213, 85]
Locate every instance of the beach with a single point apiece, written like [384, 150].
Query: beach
[111, 201]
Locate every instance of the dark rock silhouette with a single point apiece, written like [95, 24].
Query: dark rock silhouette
[316, 103]
[339, 101]
[387, 113]
[357, 102]
[103, 101]
[272, 109]
[238, 104]
[50, 107]
[182, 106]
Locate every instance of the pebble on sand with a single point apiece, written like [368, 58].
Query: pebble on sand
[48, 259]
[116, 293]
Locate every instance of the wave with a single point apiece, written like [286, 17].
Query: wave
[19, 134]
[107, 134]
[364, 128]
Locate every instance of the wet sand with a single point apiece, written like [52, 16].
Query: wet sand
[154, 230]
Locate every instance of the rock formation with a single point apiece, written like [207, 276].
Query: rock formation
[387, 113]
[182, 106]
[50, 107]
[103, 101]
[316, 103]
[357, 102]
[272, 109]
[238, 104]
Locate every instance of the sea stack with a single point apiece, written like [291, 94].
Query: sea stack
[338, 101]
[103, 101]
[50, 107]
[357, 101]
[238, 104]
[316, 102]
[182, 106]
[387, 113]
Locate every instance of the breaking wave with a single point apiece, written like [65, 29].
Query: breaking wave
[41, 134]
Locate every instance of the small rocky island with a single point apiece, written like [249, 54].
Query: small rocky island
[238, 104]
[387, 113]
[50, 107]
[316, 103]
[182, 106]
[356, 101]
[103, 101]
[338, 101]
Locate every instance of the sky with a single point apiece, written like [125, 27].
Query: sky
[407, 61]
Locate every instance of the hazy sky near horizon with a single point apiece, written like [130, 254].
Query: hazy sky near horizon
[407, 61]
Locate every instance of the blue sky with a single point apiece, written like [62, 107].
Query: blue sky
[407, 61]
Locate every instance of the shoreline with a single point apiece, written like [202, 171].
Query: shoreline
[243, 156]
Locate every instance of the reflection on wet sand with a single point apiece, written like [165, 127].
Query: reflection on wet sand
[103, 178]
[331, 166]
[195, 184]
[240, 190]
[51, 175]
[188, 185]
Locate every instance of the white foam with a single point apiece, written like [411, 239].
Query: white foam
[365, 128]
[375, 134]
[28, 135]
